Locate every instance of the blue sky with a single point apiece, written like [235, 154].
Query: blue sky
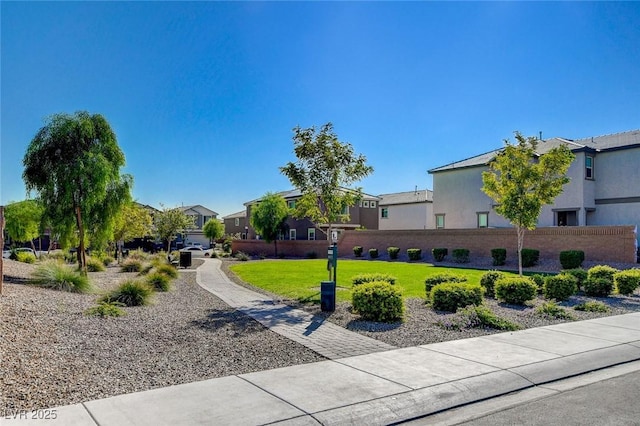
[203, 96]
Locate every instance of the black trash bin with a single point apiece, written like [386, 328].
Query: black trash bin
[185, 259]
[328, 296]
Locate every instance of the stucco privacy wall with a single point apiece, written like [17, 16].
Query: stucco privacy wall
[599, 243]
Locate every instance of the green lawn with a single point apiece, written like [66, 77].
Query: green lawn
[300, 279]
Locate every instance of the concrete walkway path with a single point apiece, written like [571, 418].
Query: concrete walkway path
[377, 388]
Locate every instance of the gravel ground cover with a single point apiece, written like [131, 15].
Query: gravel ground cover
[52, 354]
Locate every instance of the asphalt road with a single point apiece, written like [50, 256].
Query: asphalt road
[604, 398]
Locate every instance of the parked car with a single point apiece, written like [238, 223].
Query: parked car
[192, 248]
[7, 253]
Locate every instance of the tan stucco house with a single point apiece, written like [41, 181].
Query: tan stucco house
[406, 210]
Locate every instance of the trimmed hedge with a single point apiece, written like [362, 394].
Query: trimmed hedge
[626, 282]
[488, 281]
[414, 253]
[571, 259]
[602, 271]
[393, 252]
[530, 257]
[450, 296]
[439, 254]
[499, 256]
[373, 253]
[560, 287]
[598, 287]
[378, 301]
[461, 255]
[444, 277]
[579, 273]
[369, 278]
[357, 251]
[516, 290]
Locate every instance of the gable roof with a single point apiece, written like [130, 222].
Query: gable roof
[613, 141]
[198, 209]
[242, 213]
[296, 193]
[409, 197]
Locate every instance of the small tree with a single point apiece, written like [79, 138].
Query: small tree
[324, 169]
[132, 221]
[213, 230]
[23, 219]
[521, 182]
[269, 218]
[171, 222]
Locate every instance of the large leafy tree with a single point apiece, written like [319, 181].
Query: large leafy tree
[521, 181]
[269, 218]
[213, 229]
[73, 164]
[23, 220]
[323, 172]
[169, 223]
[132, 221]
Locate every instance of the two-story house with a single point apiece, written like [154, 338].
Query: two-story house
[236, 224]
[200, 215]
[362, 215]
[406, 210]
[604, 187]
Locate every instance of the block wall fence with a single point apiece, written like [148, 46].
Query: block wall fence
[599, 243]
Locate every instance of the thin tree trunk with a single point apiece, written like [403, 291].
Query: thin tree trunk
[82, 260]
[1, 245]
[520, 231]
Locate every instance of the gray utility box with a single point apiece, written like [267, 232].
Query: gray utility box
[185, 259]
[328, 296]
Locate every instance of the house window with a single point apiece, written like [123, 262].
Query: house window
[483, 219]
[236, 221]
[291, 204]
[588, 167]
[311, 233]
[345, 210]
[439, 221]
[365, 203]
[372, 204]
[280, 235]
[292, 234]
[384, 213]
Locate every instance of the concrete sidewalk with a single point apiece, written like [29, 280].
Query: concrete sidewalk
[380, 387]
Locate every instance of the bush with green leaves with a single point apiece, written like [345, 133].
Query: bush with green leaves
[357, 251]
[373, 253]
[450, 296]
[571, 259]
[485, 317]
[138, 254]
[106, 309]
[131, 265]
[488, 281]
[95, 265]
[59, 276]
[515, 290]
[560, 287]
[598, 287]
[159, 281]
[592, 306]
[167, 270]
[130, 293]
[579, 273]
[243, 257]
[602, 271]
[378, 301]
[439, 254]
[461, 255]
[530, 257]
[25, 257]
[550, 309]
[444, 277]
[146, 268]
[626, 282]
[414, 253]
[499, 256]
[226, 245]
[369, 278]
[106, 260]
[393, 252]
[539, 280]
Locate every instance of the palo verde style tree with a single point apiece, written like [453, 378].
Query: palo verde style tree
[325, 169]
[269, 218]
[521, 182]
[23, 221]
[213, 229]
[132, 221]
[73, 164]
[169, 223]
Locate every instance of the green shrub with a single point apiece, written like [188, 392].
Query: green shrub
[488, 281]
[369, 278]
[393, 252]
[95, 265]
[439, 254]
[626, 282]
[598, 287]
[571, 259]
[106, 309]
[59, 276]
[378, 301]
[107, 260]
[539, 280]
[560, 287]
[130, 293]
[499, 256]
[373, 253]
[226, 246]
[550, 309]
[311, 255]
[131, 265]
[445, 277]
[530, 257]
[138, 254]
[70, 257]
[450, 296]
[602, 271]
[357, 251]
[515, 290]
[167, 270]
[159, 281]
[146, 268]
[592, 306]
[414, 253]
[461, 255]
[579, 273]
[487, 318]
[25, 257]
[243, 257]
